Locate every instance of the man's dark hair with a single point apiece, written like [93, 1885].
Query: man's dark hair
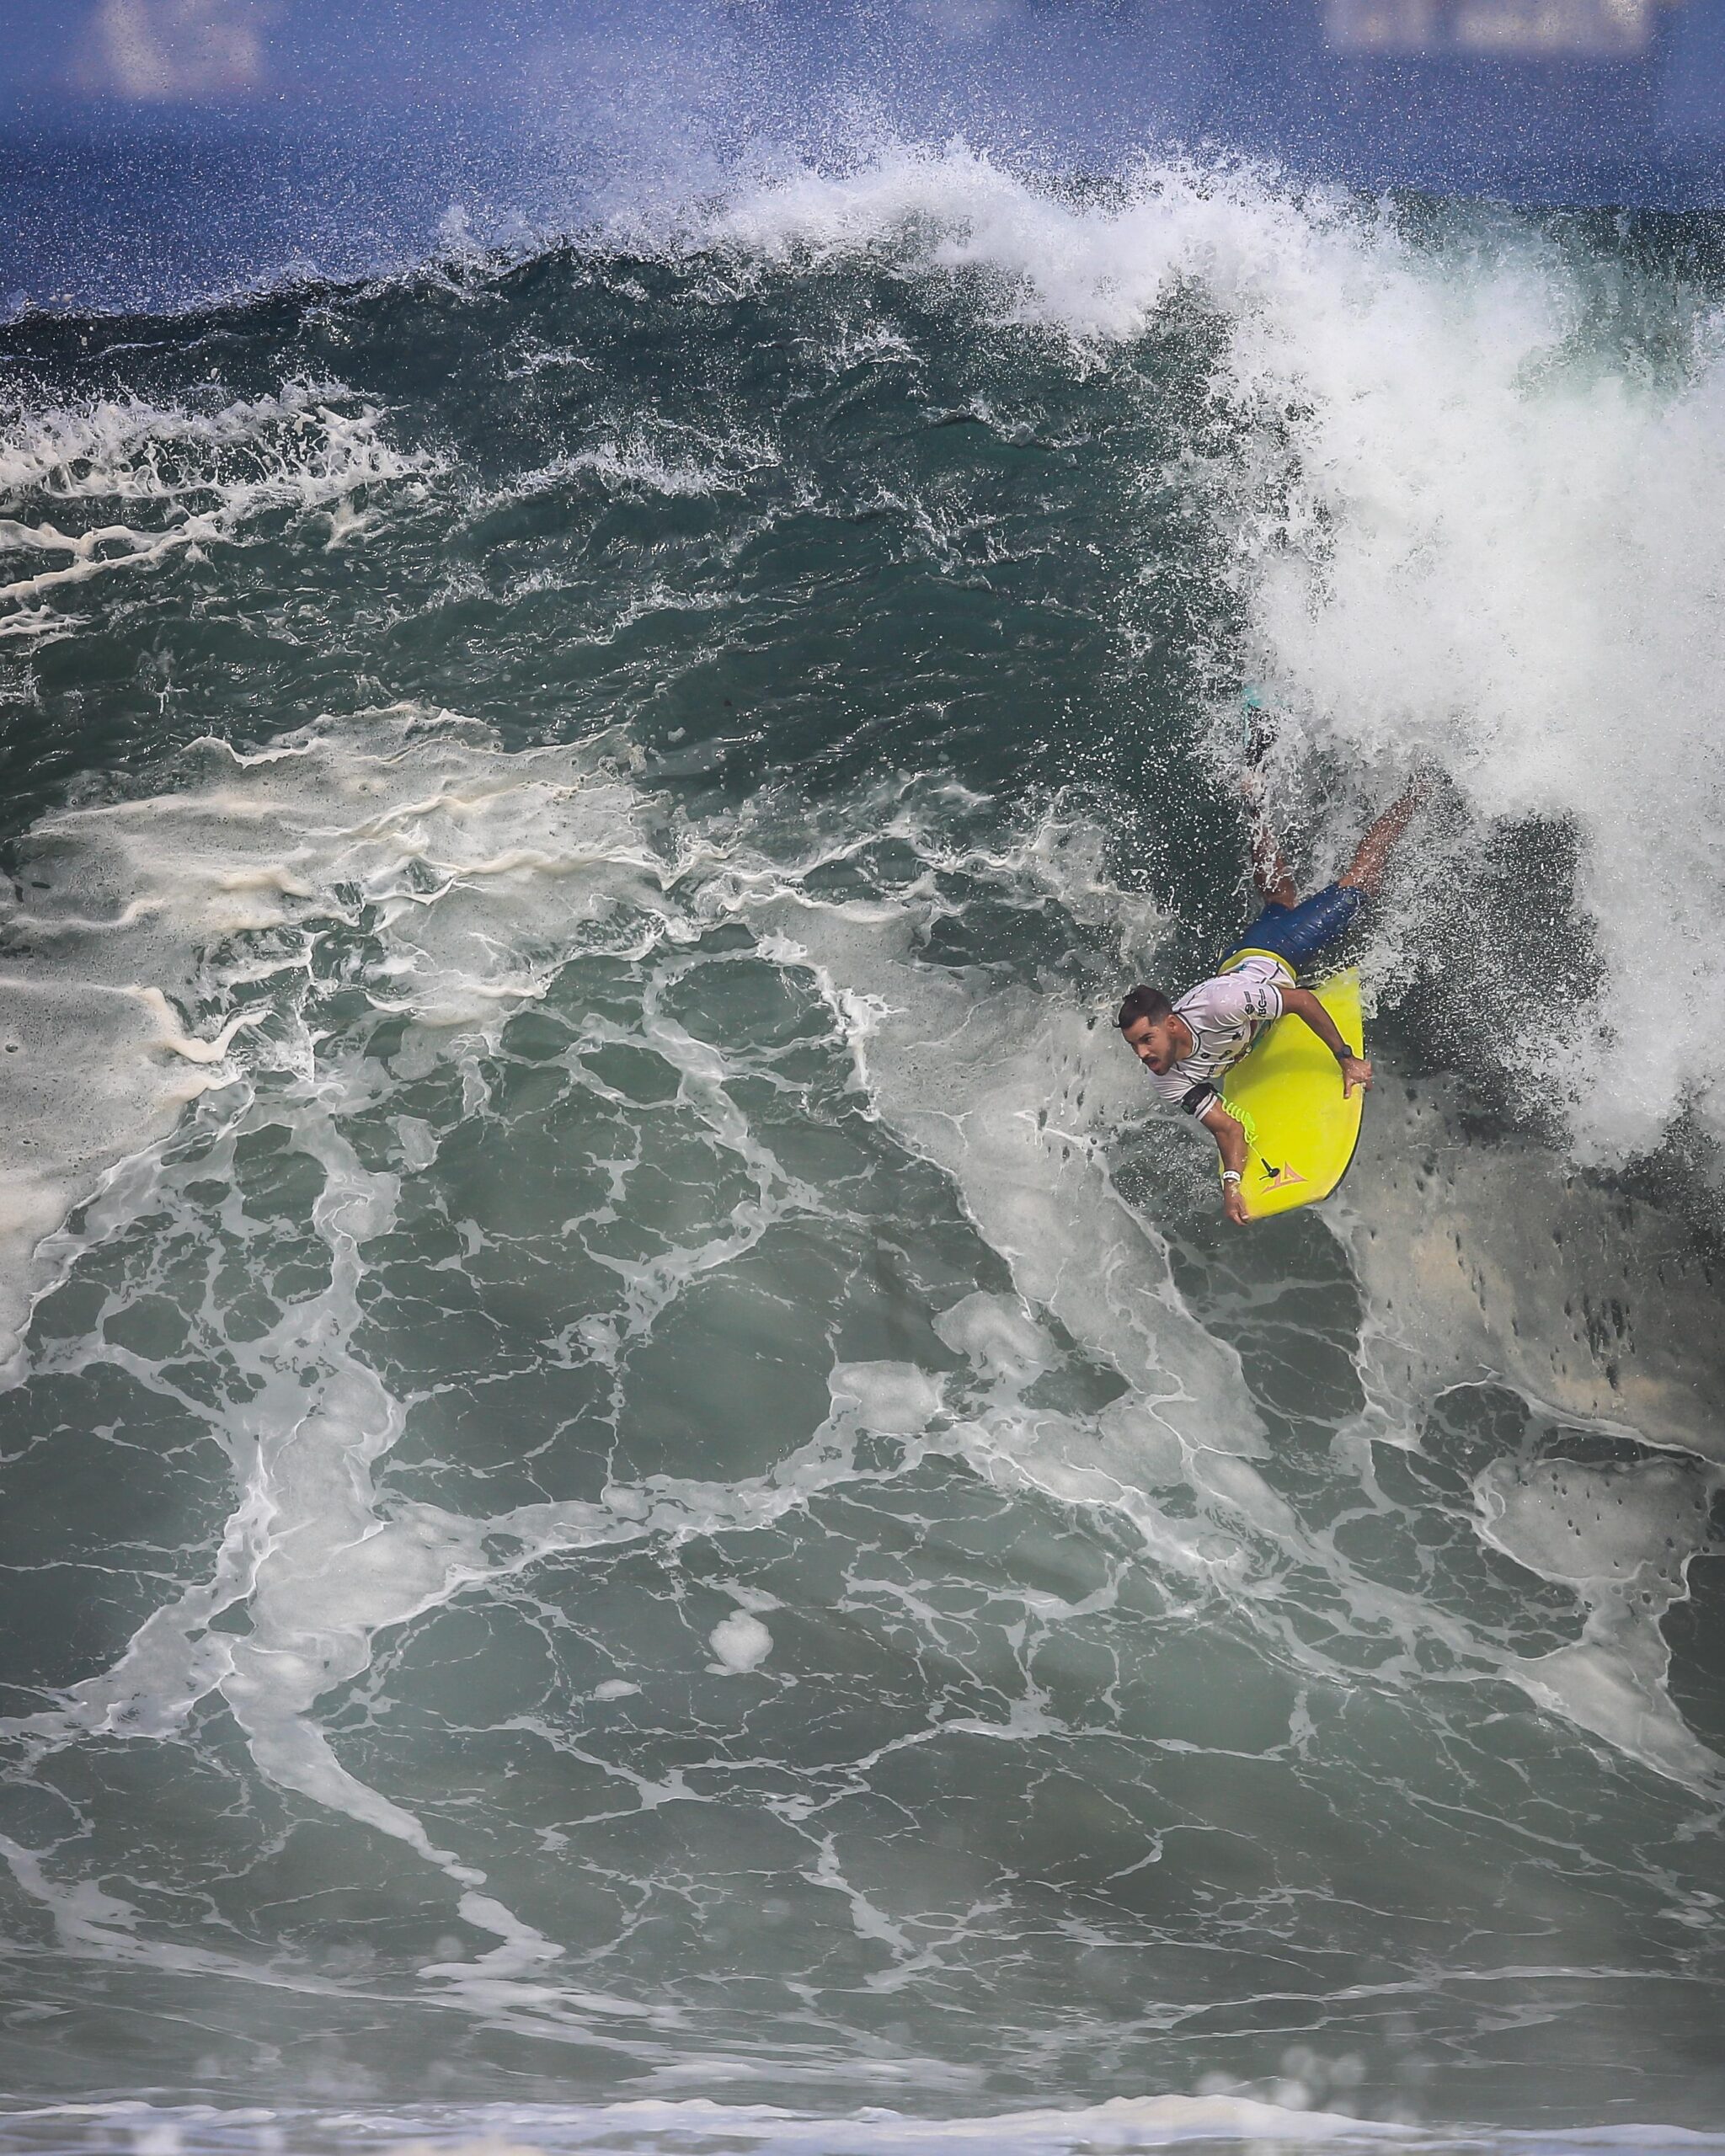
[1142, 1002]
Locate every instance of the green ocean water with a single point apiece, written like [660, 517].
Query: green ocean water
[632, 1471]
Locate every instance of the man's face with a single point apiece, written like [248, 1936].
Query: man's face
[1153, 1041]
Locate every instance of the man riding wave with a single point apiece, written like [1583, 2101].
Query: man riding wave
[1187, 1043]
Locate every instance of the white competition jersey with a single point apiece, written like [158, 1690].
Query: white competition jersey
[1225, 1014]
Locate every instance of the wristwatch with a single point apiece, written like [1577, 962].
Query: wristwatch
[1230, 1175]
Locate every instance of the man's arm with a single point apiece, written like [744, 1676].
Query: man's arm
[1230, 1144]
[1356, 1070]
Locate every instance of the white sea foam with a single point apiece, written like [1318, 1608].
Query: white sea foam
[740, 1642]
[672, 460]
[1500, 1265]
[1624, 1536]
[1001, 1090]
[116, 929]
[184, 478]
[699, 2126]
[476, 875]
[1498, 1261]
[894, 1399]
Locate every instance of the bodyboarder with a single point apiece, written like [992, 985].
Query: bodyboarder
[1186, 1043]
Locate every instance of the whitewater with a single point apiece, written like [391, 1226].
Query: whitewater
[645, 1505]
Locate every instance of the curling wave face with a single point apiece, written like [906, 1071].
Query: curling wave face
[630, 1475]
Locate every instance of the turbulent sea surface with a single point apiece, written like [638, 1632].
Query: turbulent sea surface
[643, 1505]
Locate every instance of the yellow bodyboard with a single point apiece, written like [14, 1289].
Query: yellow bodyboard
[1287, 1091]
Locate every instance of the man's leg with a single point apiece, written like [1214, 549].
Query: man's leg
[1269, 871]
[1372, 856]
[1316, 923]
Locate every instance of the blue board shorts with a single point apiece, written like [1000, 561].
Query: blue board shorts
[1298, 933]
